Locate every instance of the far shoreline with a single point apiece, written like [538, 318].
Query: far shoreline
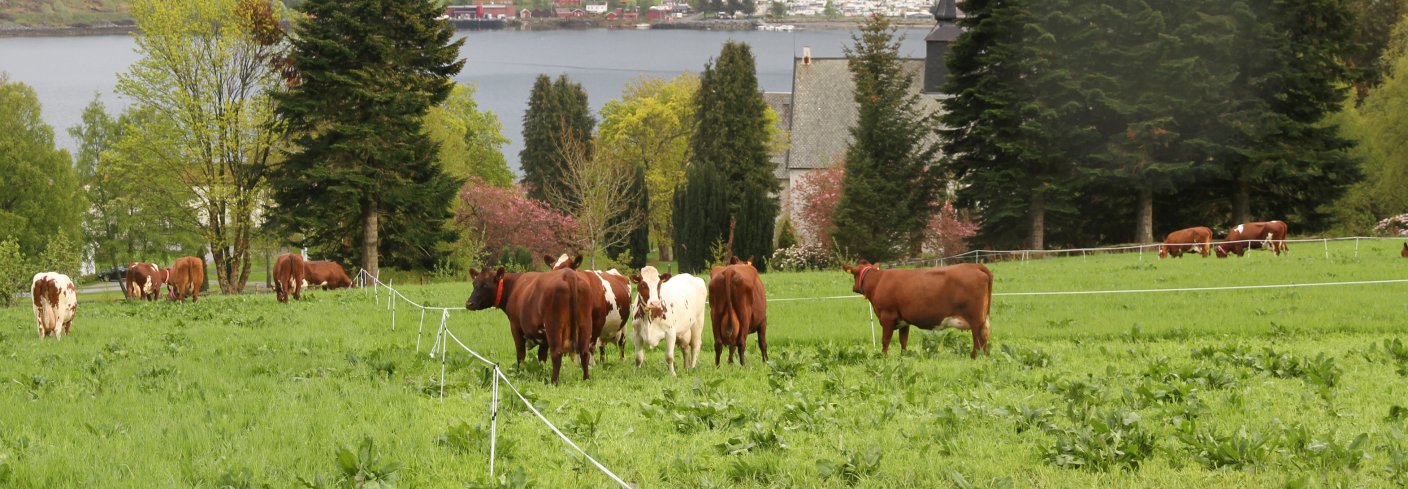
[127, 27]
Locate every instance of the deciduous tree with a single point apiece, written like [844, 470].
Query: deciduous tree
[469, 139]
[41, 197]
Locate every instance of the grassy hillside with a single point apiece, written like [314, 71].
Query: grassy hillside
[54, 13]
[1243, 388]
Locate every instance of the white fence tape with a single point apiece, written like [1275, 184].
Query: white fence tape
[975, 255]
[443, 336]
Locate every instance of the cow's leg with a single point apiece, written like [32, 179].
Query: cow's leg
[620, 343]
[718, 349]
[904, 339]
[556, 361]
[742, 344]
[543, 347]
[887, 330]
[763, 341]
[518, 343]
[670, 350]
[640, 350]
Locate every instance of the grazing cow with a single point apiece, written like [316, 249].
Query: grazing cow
[288, 276]
[738, 307]
[1196, 240]
[325, 274]
[611, 303]
[184, 278]
[669, 308]
[955, 296]
[1270, 234]
[552, 309]
[55, 302]
[144, 280]
[1404, 253]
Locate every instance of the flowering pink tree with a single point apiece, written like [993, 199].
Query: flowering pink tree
[492, 219]
[948, 231]
[816, 196]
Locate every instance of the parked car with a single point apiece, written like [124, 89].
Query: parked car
[114, 274]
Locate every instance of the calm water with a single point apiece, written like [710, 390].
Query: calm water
[67, 72]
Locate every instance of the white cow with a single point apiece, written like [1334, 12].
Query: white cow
[671, 309]
[55, 302]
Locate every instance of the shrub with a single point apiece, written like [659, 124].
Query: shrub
[801, 258]
[856, 465]
[1240, 449]
[1392, 226]
[13, 278]
[1114, 440]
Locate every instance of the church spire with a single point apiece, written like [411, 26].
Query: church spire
[945, 11]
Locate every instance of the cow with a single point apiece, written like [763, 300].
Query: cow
[55, 302]
[955, 296]
[144, 280]
[611, 302]
[185, 278]
[669, 308]
[1196, 240]
[288, 276]
[552, 309]
[1404, 253]
[1270, 234]
[326, 274]
[738, 307]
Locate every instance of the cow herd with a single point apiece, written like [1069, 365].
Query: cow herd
[573, 312]
[1253, 235]
[182, 279]
[293, 274]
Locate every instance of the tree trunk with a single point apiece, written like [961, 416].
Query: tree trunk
[1241, 203]
[370, 240]
[1037, 213]
[664, 252]
[1144, 226]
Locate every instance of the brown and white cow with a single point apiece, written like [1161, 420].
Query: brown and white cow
[672, 309]
[611, 302]
[288, 276]
[326, 274]
[1196, 240]
[550, 308]
[55, 302]
[955, 296]
[1255, 235]
[185, 278]
[738, 306]
[144, 280]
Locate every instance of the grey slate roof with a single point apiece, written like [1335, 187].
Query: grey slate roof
[781, 103]
[824, 109]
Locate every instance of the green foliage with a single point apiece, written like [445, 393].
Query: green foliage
[1378, 129]
[787, 236]
[469, 139]
[730, 149]
[1112, 441]
[887, 192]
[855, 465]
[363, 468]
[635, 248]
[1240, 449]
[14, 270]
[356, 188]
[41, 197]
[61, 254]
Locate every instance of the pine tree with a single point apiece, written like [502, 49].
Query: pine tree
[558, 115]
[363, 178]
[731, 139]
[887, 191]
[698, 225]
[639, 243]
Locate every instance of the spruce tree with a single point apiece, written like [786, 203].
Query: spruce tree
[362, 178]
[558, 114]
[887, 190]
[731, 139]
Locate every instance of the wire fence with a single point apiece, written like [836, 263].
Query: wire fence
[979, 256]
[443, 336]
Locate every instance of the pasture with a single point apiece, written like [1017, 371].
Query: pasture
[1233, 388]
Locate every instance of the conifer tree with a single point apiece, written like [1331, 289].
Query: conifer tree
[363, 178]
[557, 115]
[887, 191]
[730, 143]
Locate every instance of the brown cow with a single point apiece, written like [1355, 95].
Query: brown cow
[144, 280]
[1196, 240]
[955, 296]
[738, 306]
[1270, 234]
[611, 302]
[185, 277]
[288, 276]
[552, 309]
[326, 274]
[1404, 253]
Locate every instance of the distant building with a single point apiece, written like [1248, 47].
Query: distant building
[596, 9]
[821, 108]
[483, 11]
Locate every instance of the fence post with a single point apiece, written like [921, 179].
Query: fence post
[871, 308]
[393, 312]
[494, 420]
[419, 329]
[390, 292]
[1327, 248]
[444, 351]
[1356, 247]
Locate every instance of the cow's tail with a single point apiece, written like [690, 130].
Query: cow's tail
[987, 307]
[731, 323]
[573, 326]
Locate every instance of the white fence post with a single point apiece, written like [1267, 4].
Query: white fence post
[1327, 248]
[871, 308]
[493, 420]
[420, 328]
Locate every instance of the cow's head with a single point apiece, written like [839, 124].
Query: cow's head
[859, 271]
[488, 289]
[1405, 250]
[1163, 251]
[563, 261]
[733, 260]
[648, 287]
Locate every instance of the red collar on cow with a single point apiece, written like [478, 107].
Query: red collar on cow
[499, 294]
[860, 282]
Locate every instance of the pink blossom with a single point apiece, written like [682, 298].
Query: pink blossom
[508, 218]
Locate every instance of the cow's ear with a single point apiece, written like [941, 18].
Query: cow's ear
[548, 260]
[733, 260]
[577, 262]
[499, 274]
[665, 277]
[846, 267]
[635, 278]
[473, 273]
[862, 262]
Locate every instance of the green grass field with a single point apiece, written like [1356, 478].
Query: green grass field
[1237, 388]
